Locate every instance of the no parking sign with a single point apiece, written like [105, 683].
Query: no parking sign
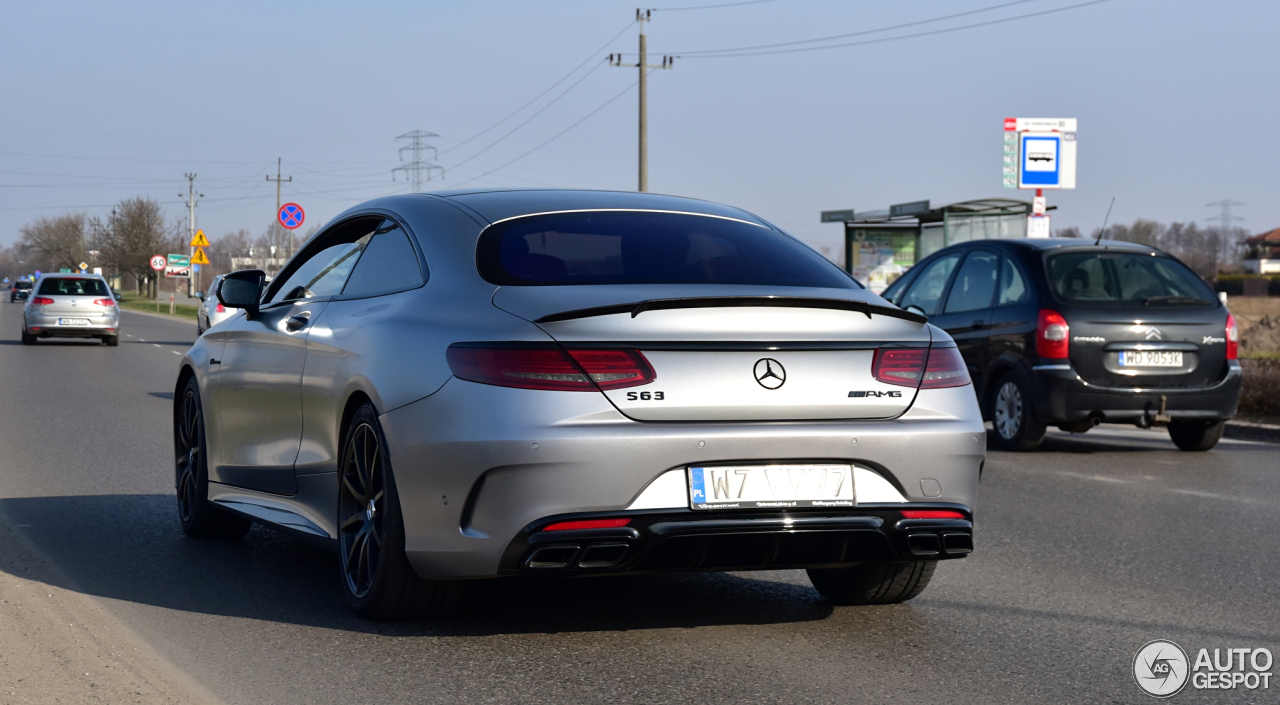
[291, 216]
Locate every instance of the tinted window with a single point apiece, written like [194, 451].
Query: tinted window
[23, 285]
[648, 248]
[975, 284]
[1013, 285]
[328, 260]
[1125, 279]
[926, 290]
[74, 287]
[388, 264]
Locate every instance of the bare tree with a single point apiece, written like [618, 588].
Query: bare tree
[1072, 231]
[137, 232]
[60, 239]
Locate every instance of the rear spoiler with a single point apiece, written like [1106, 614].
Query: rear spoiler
[635, 309]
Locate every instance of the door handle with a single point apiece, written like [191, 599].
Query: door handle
[295, 323]
[979, 324]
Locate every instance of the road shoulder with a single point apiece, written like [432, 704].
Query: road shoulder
[62, 646]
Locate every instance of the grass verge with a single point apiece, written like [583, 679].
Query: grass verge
[135, 303]
[1260, 394]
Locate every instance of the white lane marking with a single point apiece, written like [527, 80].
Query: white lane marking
[175, 352]
[1214, 495]
[142, 340]
[127, 335]
[156, 344]
[1099, 478]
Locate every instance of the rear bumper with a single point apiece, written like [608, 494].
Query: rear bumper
[1063, 397]
[46, 326]
[689, 540]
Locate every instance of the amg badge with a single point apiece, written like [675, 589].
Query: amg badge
[875, 394]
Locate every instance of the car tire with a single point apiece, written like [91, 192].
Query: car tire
[377, 579]
[200, 519]
[111, 340]
[27, 338]
[873, 583]
[1196, 435]
[1012, 417]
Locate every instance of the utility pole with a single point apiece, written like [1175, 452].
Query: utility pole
[191, 222]
[414, 169]
[643, 16]
[275, 222]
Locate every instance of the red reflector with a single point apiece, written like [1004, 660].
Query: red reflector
[103, 302]
[931, 514]
[615, 369]
[1233, 338]
[40, 301]
[588, 524]
[549, 367]
[901, 366]
[1052, 335]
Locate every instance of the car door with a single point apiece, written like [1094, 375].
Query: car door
[1013, 319]
[966, 313]
[258, 383]
[925, 292]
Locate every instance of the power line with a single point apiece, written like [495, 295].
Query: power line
[859, 33]
[903, 36]
[709, 7]
[556, 136]
[536, 98]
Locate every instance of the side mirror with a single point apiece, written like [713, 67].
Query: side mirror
[118, 296]
[243, 289]
[200, 295]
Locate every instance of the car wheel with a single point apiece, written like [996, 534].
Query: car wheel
[111, 340]
[199, 518]
[873, 583]
[376, 576]
[1015, 423]
[27, 338]
[1196, 435]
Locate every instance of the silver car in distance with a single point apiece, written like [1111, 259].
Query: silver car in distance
[211, 311]
[466, 385]
[71, 306]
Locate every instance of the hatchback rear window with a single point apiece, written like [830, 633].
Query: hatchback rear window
[23, 285]
[1125, 279]
[73, 287]
[639, 247]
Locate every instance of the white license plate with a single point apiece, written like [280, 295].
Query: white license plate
[771, 486]
[73, 321]
[1150, 358]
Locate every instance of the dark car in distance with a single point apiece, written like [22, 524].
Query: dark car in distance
[1073, 333]
[19, 291]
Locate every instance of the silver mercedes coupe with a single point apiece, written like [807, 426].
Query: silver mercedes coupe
[455, 386]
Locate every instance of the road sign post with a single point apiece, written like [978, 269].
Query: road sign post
[1040, 154]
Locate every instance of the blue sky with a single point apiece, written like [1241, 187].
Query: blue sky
[104, 101]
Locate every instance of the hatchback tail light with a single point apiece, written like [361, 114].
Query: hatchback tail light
[1233, 338]
[550, 367]
[920, 368]
[41, 301]
[103, 302]
[1052, 335]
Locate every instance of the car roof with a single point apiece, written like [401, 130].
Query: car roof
[1059, 243]
[502, 204]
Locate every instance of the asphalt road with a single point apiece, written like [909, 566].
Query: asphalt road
[1086, 550]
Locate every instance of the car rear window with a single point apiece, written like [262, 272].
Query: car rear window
[23, 285]
[641, 247]
[1125, 279]
[73, 287]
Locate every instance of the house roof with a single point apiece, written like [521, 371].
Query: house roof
[1271, 237]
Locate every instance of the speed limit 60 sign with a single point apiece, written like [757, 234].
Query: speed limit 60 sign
[159, 262]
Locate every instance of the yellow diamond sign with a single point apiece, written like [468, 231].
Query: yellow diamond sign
[199, 257]
[199, 241]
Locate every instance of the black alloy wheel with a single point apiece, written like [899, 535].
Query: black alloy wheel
[199, 518]
[377, 579]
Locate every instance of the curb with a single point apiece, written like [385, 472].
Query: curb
[165, 316]
[1247, 431]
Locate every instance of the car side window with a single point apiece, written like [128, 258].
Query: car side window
[328, 264]
[926, 290]
[975, 284]
[1013, 285]
[389, 264]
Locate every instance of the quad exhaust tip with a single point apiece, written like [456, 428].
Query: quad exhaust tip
[601, 555]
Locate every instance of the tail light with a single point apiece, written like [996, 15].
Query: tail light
[1052, 335]
[588, 524]
[220, 308]
[103, 302]
[550, 367]
[920, 368]
[41, 301]
[1233, 338]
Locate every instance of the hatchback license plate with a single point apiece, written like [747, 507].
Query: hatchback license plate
[73, 321]
[1150, 358]
[771, 486]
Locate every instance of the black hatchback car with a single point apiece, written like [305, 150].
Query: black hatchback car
[19, 291]
[1073, 333]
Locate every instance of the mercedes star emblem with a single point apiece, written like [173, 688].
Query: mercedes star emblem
[770, 373]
